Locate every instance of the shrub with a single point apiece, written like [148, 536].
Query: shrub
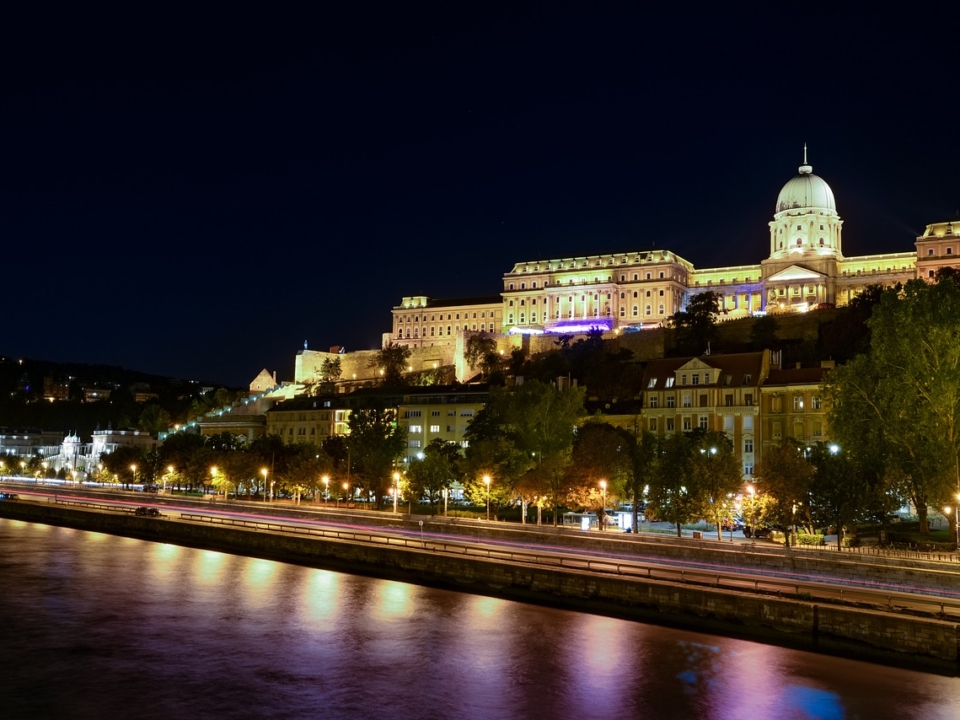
[809, 539]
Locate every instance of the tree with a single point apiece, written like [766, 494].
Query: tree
[537, 421]
[601, 454]
[330, 369]
[784, 475]
[838, 490]
[154, 419]
[716, 475]
[643, 458]
[375, 442]
[478, 348]
[391, 361]
[672, 496]
[436, 472]
[763, 334]
[901, 401]
[696, 327]
[120, 464]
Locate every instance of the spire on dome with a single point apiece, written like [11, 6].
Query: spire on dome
[805, 169]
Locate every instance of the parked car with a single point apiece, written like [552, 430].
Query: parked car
[762, 531]
[732, 524]
[145, 511]
[151, 488]
[9, 496]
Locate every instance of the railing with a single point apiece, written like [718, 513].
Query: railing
[621, 568]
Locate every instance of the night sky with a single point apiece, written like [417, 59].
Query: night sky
[195, 195]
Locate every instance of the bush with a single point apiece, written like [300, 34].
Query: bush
[851, 541]
[809, 539]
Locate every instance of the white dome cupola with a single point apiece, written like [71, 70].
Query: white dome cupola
[805, 221]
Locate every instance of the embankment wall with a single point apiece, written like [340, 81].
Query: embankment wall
[858, 630]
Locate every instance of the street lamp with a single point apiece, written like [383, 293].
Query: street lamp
[133, 469]
[396, 490]
[603, 506]
[486, 479]
[957, 521]
[326, 489]
[946, 512]
[170, 471]
[213, 475]
[346, 486]
[263, 471]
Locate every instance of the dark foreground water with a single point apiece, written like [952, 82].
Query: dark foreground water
[96, 626]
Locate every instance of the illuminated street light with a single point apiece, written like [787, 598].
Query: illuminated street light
[263, 471]
[326, 489]
[486, 479]
[133, 469]
[603, 512]
[396, 491]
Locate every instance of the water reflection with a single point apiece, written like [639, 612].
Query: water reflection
[98, 626]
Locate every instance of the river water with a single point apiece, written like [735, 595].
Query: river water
[97, 626]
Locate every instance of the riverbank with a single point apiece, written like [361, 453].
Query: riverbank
[863, 632]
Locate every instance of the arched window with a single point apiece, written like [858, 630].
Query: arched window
[636, 311]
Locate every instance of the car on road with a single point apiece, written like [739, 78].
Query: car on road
[151, 489]
[145, 511]
[9, 496]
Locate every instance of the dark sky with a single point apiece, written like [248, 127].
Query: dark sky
[194, 195]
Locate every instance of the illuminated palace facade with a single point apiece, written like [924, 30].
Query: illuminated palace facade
[635, 290]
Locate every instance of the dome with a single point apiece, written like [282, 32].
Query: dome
[806, 190]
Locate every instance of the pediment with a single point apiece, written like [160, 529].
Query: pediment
[794, 273]
[694, 364]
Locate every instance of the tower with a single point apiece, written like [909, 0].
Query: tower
[804, 244]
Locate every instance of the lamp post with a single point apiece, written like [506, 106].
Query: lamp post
[957, 521]
[213, 476]
[263, 471]
[326, 489]
[946, 512]
[603, 505]
[169, 474]
[396, 490]
[346, 486]
[486, 479]
[133, 469]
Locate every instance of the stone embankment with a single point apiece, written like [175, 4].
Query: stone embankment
[850, 630]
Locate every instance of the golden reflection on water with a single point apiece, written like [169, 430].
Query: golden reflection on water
[392, 600]
[320, 598]
[208, 567]
[258, 578]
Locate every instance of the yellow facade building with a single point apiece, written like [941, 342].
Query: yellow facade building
[805, 268]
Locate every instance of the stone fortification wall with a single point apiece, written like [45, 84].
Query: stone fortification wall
[849, 628]
[357, 365]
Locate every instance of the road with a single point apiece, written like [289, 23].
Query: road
[620, 555]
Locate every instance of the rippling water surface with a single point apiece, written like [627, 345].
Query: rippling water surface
[96, 626]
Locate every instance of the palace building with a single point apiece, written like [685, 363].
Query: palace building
[629, 291]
